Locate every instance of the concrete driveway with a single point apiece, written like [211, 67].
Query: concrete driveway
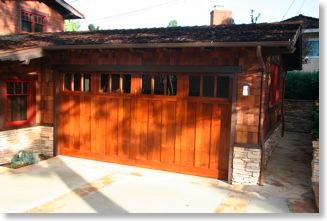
[71, 185]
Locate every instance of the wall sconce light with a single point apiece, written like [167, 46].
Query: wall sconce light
[246, 90]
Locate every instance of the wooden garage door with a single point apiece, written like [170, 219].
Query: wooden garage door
[181, 131]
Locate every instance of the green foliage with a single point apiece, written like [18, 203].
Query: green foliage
[43, 156]
[315, 122]
[92, 27]
[302, 86]
[71, 25]
[23, 158]
[173, 23]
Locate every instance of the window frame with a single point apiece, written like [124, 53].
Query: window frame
[152, 79]
[275, 86]
[30, 112]
[121, 84]
[33, 22]
[72, 81]
[215, 97]
[309, 50]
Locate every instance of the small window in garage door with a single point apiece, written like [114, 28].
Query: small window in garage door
[159, 84]
[77, 82]
[115, 83]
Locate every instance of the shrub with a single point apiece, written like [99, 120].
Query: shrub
[23, 158]
[43, 156]
[302, 85]
[315, 122]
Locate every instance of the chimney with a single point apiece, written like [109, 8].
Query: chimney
[220, 17]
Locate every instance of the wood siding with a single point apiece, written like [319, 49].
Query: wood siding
[10, 17]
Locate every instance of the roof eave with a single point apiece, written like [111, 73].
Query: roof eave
[287, 44]
[74, 14]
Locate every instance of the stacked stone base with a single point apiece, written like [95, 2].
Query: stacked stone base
[247, 161]
[246, 165]
[315, 171]
[38, 139]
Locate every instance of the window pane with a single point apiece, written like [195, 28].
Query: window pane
[208, 86]
[223, 87]
[18, 88]
[115, 86]
[38, 28]
[313, 48]
[67, 82]
[17, 108]
[77, 82]
[171, 85]
[194, 86]
[27, 26]
[159, 84]
[127, 83]
[146, 84]
[25, 87]
[10, 88]
[87, 83]
[104, 83]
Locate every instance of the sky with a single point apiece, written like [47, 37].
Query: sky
[123, 14]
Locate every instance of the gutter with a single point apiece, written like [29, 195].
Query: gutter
[261, 116]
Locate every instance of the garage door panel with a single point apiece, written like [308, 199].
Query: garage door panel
[141, 130]
[112, 127]
[215, 136]
[168, 132]
[85, 122]
[203, 135]
[188, 135]
[175, 133]
[154, 131]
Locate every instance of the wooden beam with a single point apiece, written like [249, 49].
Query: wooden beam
[147, 68]
[174, 45]
[24, 55]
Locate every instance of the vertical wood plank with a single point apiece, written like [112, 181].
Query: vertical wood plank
[215, 137]
[154, 133]
[168, 132]
[188, 135]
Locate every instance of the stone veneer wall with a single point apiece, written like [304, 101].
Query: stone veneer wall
[246, 161]
[272, 142]
[297, 115]
[38, 139]
[246, 165]
[315, 162]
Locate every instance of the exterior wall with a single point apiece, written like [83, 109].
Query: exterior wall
[272, 142]
[10, 22]
[38, 139]
[297, 115]
[312, 65]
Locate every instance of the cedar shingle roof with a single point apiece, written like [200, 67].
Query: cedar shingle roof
[245, 33]
[305, 21]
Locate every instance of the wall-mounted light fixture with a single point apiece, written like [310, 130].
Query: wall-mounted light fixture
[246, 89]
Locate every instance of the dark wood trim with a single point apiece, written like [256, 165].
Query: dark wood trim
[56, 91]
[147, 68]
[287, 44]
[232, 129]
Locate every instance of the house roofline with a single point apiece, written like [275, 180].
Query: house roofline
[74, 12]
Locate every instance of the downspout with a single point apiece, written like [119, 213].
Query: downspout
[261, 115]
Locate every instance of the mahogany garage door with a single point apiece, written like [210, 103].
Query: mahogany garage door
[173, 122]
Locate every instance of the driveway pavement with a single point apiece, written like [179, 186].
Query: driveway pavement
[71, 185]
